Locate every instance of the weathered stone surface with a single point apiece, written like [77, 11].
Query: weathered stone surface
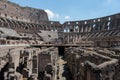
[15, 11]
[34, 48]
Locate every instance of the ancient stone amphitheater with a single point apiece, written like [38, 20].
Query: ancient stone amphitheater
[34, 48]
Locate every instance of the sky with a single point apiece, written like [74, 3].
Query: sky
[73, 10]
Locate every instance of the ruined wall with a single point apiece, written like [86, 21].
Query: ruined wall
[22, 63]
[86, 64]
[15, 11]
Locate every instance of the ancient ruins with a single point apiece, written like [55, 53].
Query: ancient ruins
[34, 48]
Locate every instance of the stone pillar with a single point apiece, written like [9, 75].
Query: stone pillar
[11, 67]
[81, 29]
[35, 65]
[68, 39]
[72, 39]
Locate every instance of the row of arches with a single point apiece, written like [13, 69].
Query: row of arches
[99, 24]
[28, 27]
[75, 38]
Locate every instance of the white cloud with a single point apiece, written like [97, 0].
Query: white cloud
[67, 17]
[51, 14]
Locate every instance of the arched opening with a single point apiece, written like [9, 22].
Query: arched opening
[5, 15]
[26, 28]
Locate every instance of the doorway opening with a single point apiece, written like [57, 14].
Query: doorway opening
[61, 50]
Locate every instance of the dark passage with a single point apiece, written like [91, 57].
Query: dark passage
[61, 50]
[67, 74]
[2, 71]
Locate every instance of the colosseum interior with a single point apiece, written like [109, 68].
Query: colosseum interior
[34, 48]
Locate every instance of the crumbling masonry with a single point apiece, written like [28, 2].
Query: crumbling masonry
[31, 45]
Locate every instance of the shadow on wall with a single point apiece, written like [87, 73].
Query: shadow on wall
[67, 74]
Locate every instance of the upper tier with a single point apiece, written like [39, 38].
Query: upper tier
[14, 11]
